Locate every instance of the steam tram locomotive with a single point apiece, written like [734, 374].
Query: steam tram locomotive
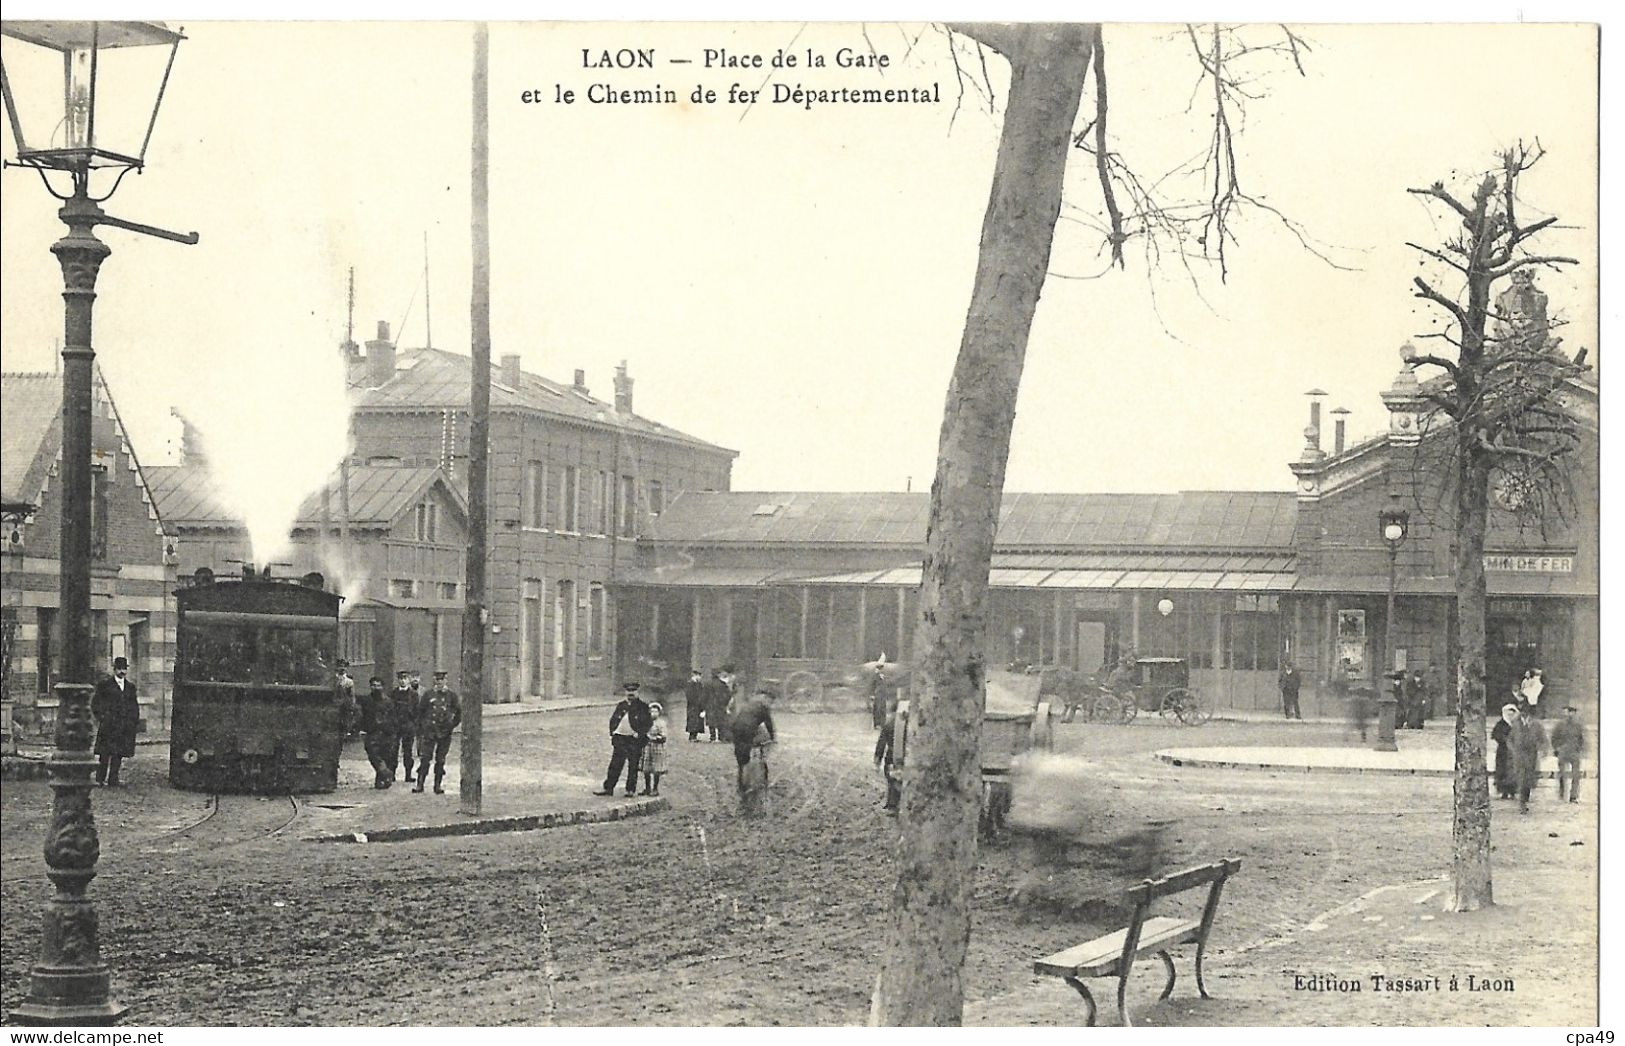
[255, 707]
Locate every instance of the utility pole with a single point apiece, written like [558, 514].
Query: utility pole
[475, 623]
[349, 427]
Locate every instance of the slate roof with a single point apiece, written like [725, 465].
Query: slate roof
[436, 379]
[186, 496]
[30, 405]
[1230, 520]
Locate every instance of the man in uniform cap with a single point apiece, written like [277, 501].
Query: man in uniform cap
[378, 728]
[403, 715]
[117, 713]
[628, 730]
[439, 712]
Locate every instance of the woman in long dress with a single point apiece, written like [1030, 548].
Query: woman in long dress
[1501, 734]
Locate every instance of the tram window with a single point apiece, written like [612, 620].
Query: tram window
[297, 657]
[219, 655]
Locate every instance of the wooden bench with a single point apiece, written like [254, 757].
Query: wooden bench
[1114, 954]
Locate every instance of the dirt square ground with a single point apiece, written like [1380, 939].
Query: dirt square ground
[696, 916]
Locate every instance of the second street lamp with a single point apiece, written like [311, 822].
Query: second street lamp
[1394, 523]
[77, 109]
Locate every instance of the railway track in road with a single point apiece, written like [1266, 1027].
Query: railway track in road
[17, 868]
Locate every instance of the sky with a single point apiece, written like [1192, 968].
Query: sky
[792, 283]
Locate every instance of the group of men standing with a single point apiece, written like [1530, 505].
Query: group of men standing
[706, 703]
[407, 721]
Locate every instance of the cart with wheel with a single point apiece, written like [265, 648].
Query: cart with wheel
[1162, 685]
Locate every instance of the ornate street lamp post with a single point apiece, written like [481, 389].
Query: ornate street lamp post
[1394, 522]
[78, 110]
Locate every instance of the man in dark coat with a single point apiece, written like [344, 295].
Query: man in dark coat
[751, 725]
[1569, 745]
[628, 731]
[694, 705]
[1291, 682]
[717, 696]
[117, 712]
[439, 712]
[403, 719]
[378, 733]
[1528, 745]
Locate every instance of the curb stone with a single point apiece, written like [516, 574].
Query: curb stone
[489, 825]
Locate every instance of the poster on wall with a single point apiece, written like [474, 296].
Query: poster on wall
[1351, 642]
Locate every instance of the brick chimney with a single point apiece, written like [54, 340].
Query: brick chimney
[1311, 435]
[581, 382]
[623, 390]
[510, 370]
[380, 357]
[1340, 427]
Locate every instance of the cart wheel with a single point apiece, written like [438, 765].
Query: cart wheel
[1131, 708]
[802, 691]
[1171, 702]
[1193, 711]
[1107, 708]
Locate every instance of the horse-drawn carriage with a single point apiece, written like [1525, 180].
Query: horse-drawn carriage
[1147, 684]
[1015, 720]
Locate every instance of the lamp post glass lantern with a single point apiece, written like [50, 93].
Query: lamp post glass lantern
[1393, 523]
[80, 98]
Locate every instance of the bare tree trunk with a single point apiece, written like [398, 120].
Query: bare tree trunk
[1470, 825]
[920, 981]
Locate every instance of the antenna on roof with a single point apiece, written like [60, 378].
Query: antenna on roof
[349, 315]
[428, 325]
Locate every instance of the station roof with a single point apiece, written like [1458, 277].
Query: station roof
[436, 379]
[188, 497]
[1229, 520]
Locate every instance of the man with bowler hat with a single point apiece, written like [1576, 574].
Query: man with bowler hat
[117, 712]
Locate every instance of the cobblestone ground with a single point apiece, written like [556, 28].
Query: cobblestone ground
[695, 916]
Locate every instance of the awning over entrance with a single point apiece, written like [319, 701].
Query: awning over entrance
[1508, 584]
[1008, 578]
[704, 577]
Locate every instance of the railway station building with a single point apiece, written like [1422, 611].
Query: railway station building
[576, 482]
[1234, 582]
[132, 576]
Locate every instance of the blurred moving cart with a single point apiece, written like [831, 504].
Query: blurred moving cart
[1016, 720]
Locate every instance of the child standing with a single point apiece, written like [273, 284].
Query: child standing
[654, 751]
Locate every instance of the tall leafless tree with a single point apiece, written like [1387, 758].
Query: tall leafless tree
[1499, 419]
[920, 982]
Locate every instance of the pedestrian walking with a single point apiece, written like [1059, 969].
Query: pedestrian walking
[1569, 745]
[377, 733]
[654, 750]
[694, 705]
[1290, 682]
[117, 713]
[717, 697]
[439, 712]
[1528, 745]
[1501, 734]
[884, 754]
[628, 728]
[752, 716]
[403, 720]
